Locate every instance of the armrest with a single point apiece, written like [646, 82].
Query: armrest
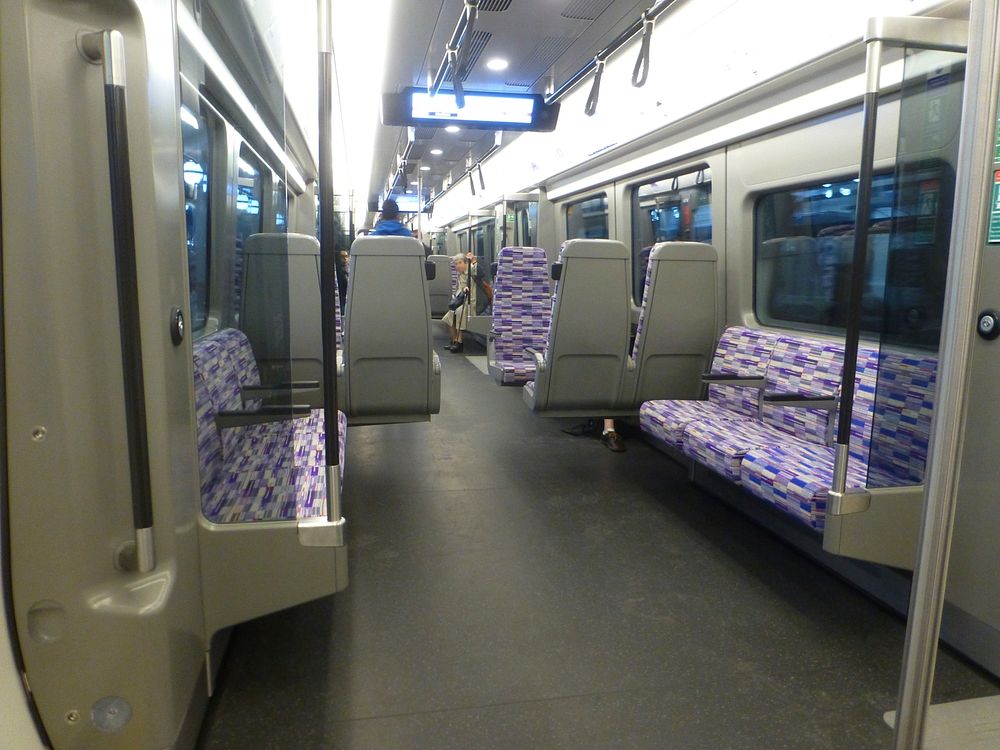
[800, 400]
[257, 391]
[280, 413]
[539, 358]
[749, 381]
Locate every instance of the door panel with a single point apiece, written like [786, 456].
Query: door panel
[113, 658]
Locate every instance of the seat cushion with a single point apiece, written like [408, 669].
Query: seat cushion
[516, 373]
[267, 494]
[665, 420]
[721, 444]
[796, 478]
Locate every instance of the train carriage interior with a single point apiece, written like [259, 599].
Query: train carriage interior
[499, 373]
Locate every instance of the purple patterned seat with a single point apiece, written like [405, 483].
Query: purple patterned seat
[796, 477]
[269, 471]
[521, 312]
[805, 367]
[741, 351]
[904, 405]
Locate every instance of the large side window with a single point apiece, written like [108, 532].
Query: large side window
[804, 244]
[672, 208]
[195, 169]
[588, 218]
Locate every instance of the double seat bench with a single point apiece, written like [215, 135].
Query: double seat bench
[770, 418]
[258, 461]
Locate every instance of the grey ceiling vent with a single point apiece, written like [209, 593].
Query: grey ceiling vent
[525, 72]
[586, 10]
[476, 46]
[494, 6]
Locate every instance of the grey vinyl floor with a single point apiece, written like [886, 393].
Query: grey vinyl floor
[515, 587]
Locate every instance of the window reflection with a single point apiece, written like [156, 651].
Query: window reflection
[249, 220]
[194, 169]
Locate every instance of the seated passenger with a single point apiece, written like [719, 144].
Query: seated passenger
[389, 224]
[481, 296]
[607, 433]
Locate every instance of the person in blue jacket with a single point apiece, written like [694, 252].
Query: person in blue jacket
[389, 224]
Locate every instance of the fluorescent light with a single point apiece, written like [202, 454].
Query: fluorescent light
[425, 169]
[414, 182]
[497, 63]
[436, 152]
[452, 129]
[188, 117]
[190, 30]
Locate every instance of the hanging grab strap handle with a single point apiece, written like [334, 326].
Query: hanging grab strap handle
[107, 48]
[641, 69]
[595, 91]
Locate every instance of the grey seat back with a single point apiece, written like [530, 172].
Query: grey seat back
[584, 362]
[677, 324]
[441, 285]
[280, 308]
[391, 372]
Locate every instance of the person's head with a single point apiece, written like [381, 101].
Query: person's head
[459, 261]
[390, 210]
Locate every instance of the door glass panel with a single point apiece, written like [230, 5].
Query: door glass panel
[910, 263]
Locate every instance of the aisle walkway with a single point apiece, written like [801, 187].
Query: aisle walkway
[513, 587]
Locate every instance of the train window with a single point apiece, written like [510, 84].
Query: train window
[588, 218]
[195, 167]
[804, 243]
[671, 208]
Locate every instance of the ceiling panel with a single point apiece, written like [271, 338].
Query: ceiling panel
[541, 39]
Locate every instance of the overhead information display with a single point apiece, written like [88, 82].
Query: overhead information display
[483, 110]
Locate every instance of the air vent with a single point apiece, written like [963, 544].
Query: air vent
[476, 46]
[586, 10]
[494, 6]
[525, 72]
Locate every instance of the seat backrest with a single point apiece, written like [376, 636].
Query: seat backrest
[904, 406]
[741, 351]
[440, 287]
[677, 322]
[809, 367]
[282, 306]
[587, 345]
[387, 335]
[521, 303]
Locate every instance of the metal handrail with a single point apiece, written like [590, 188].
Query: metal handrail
[328, 273]
[648, 16]
[107, 48]
[463, 30]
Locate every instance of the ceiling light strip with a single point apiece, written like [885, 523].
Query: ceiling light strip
[190, 30]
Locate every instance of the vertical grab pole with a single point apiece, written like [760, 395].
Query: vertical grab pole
[838, 498]
[968, 235]
[328, 269]
[108, 49]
